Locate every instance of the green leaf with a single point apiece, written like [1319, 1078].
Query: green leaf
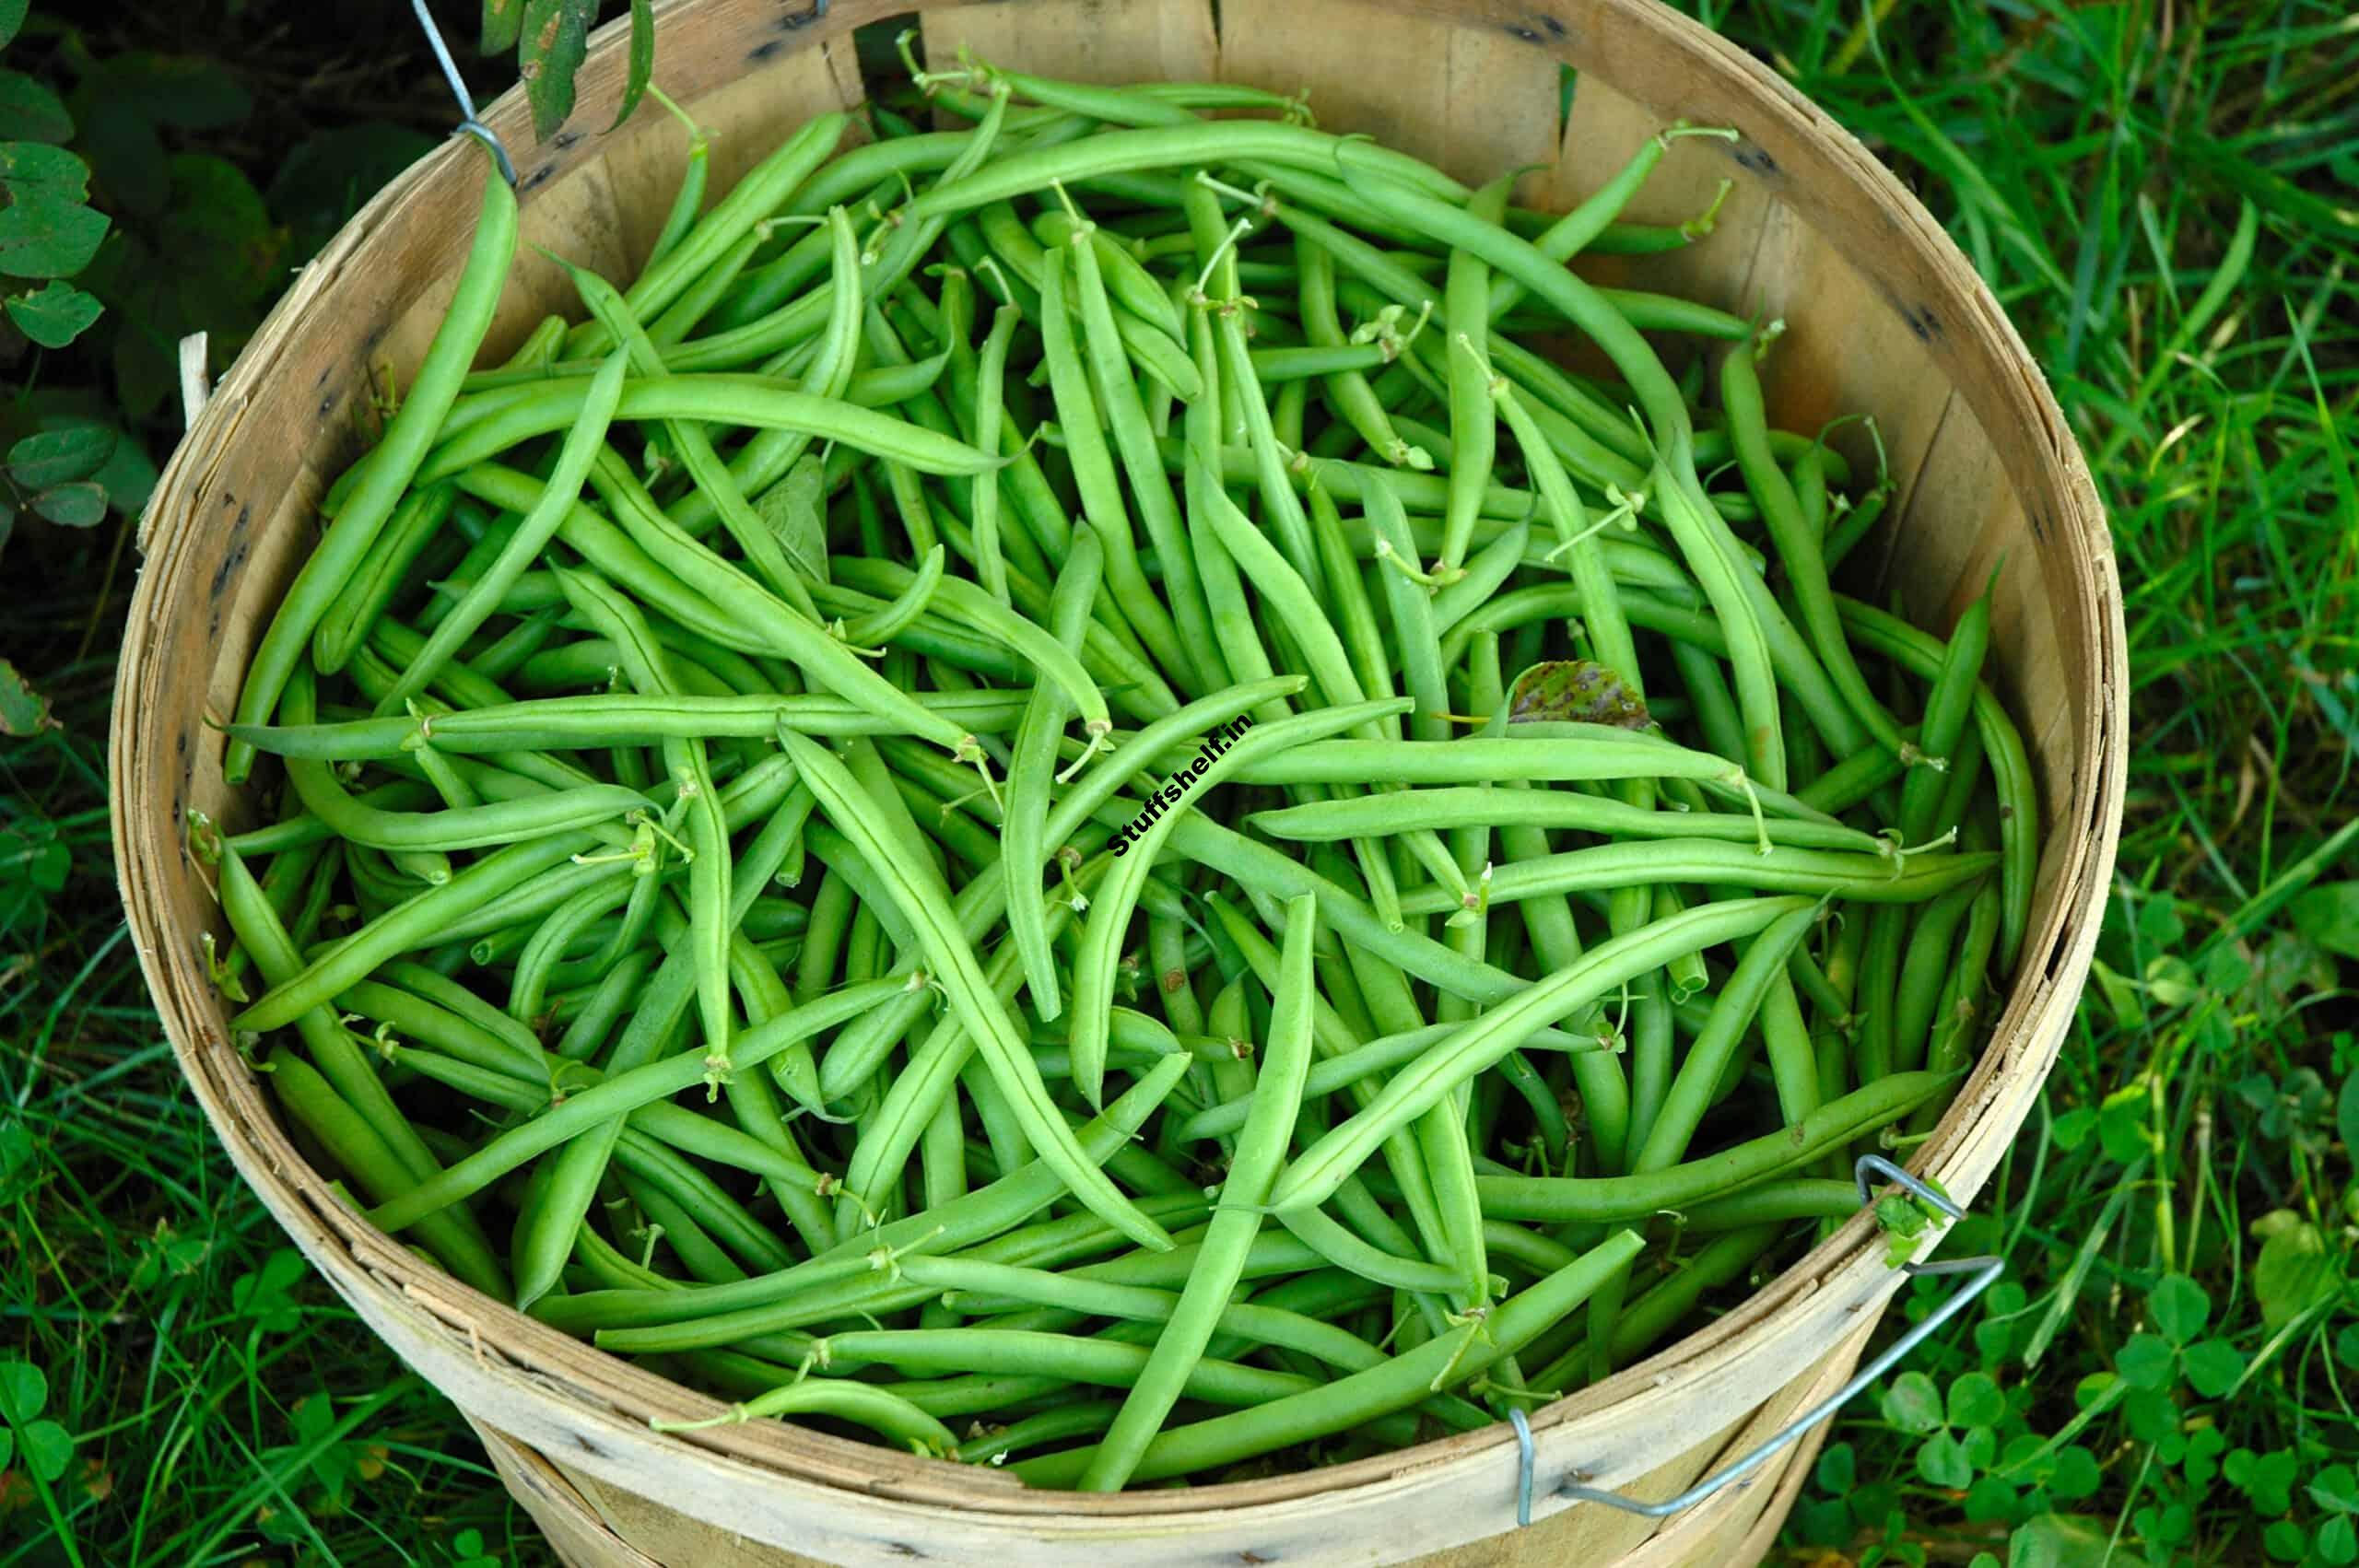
[1838, 1468]
[2146, 1362]
[2072, 1129]
[1579, 690]
[23, 711]
[187, 92]
[73, 506]
[12, 17]
[2346, 1115]
[30, 112]
[2150, 1415]
[1940, 1461]
[2076, 1474]
[129, 475]
[2067, 1540]
[2267, 1479]
[2180, 1308]
[555, 37]
[262, 1294]
[2337, 1541]
[55, 314]
[2285, 1540]
[2328, 915]
[2122, 1129]
[24, 1392]
[796, 511]
[1990, 1499]
[1902, 1220]
[45, 235]
[2336, 1488]
[29, 169]
[2159, 925]
[328, 174]
[48, 1448]
[1974, 1400]
[1912, 1403]
[219, 217]
[2213, 1367]
[501, 21]
[2346, 1345]
[642, 58]
[2293, 1272]
[60, 457]
[2171, 981]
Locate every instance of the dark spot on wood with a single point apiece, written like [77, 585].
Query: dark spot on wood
[327, 405]
[212, 627]
[1556, 28]
[325, 372]
[565, 139]
[538, 178]
[235, 556]
[2038, 521]
[585, 1444]
[1756, 159]
[796, 21]
[1255, 1556]
[764, 50]
[1522, 34]
[903, 1549]
[179, 745]
[1922, 322]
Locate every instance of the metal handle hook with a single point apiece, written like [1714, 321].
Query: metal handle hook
[1983, 1272]
[468, 124]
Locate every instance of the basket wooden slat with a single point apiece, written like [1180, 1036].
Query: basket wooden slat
[1884, 316]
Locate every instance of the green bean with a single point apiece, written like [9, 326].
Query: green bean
[618, 1096]
[1960, 1001]
[406, 929]
[1261, 1149]
[1740, 996]
[1109, 921]
[1459, 805]
[1473, 425]
[709, 872]
[1948, 705]
[1404, 1381]
[359, 602]
[833, 1285]
[926, 904]
[863, 1404]
[1030, 780]
[1310, 1178]
[1562, 1199]
[1093, 468]
[393, 467]
[1868, 879]
[763, 190]
[1589, 223]
[1806, 572]
[2003, 748]
[354, 1144]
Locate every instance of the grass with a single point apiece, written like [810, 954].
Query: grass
[2164, 196]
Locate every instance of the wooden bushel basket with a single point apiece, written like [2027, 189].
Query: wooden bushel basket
[1884, 315]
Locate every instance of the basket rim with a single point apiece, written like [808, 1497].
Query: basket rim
[1845, 1272]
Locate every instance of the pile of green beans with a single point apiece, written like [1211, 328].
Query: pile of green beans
[1047, 799]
